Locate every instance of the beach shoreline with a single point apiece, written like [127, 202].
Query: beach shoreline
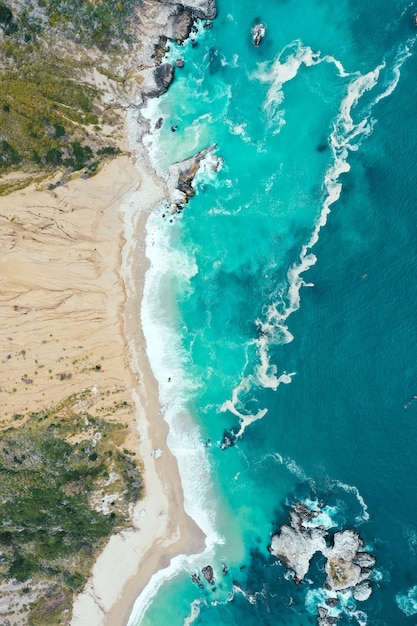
[160, 527]
[73, 271]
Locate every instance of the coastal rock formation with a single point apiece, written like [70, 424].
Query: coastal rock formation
[347, 567]
[181, 176]
[156, 80]
[208, 573]
[258, 33]
[180, 23]
[175, 21]
[202, 9]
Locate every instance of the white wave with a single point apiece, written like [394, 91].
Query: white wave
[364, 517]
[403, 53]
[324, 515]
[295, 469]
[345, 137]
[318, 597]
[380, 575]
[284, 69]
[171, 367]
[195, 612]
[407, 602]
[239, 130]
[180, 563]
[346, 604]
[169, 362]
[331, 512]
[207, 173]
[176, 50]
[233, 404]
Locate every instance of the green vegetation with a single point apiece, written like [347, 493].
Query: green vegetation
[47, 110]
[104, 23]
[57, 471]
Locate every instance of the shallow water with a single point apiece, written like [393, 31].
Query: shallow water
[280, 305]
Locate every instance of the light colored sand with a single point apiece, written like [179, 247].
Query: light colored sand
[61, 295]
[161, 527]
[65, 325]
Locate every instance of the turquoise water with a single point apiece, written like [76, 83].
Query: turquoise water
[280, 304]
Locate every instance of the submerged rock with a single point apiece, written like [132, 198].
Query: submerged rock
[196, 579]
[215, 62]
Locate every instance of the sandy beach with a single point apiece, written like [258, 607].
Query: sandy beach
[72, 270]
[161, 529]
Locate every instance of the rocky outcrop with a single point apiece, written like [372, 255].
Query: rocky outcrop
[202, 9]
[208, 573]
[157, 80]
[174, 21]
[347, 567]
[258, 33]
[180, 23]
[181, 176]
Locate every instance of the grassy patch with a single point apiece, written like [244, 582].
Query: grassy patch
[55, 471]
[47, 109]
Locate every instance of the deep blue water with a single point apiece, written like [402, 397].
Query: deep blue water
[318, 382]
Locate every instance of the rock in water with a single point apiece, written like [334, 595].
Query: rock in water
[164, 75]
[208, 573]
[296, 549]
[156, 80]
[180, 23]
[181, 176]
[258, 33]
[347, 566]
[362, 591]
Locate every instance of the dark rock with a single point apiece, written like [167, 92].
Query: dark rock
[208, 25]
[321, 147]
[225, 569]
[323, 618]
[258, 33]
[215, 62]
[174, 128]
[362, 591]
[208, 573]
[159, 123]
[206, 12]
[181, 176]
[229, 439]
[180, 23]
[196, 579]
[364, 560]
[332, 602]
[179, 62]
[161, 49]
[164, 75]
